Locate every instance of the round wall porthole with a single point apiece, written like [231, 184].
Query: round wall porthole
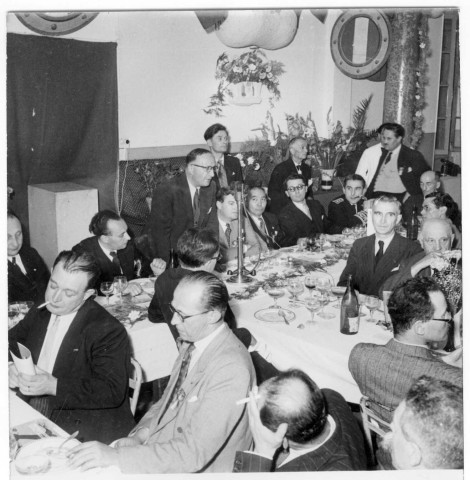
[360, 42]
[55, 23]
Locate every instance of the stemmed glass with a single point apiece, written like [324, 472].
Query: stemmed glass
[324, 285]
[372, 303]
[295, 287]
[313, 305]
[310, 283]
[321, 240]
[120, 284]
[107, 288]
[275, 293]
[338, 292]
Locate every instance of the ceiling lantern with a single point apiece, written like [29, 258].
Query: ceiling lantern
[268, 29]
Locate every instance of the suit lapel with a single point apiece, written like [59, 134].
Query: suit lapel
[257, 231]
[368, 254]
[316, 218]
[388, 261]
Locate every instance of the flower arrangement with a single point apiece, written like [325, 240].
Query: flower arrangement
[154, 173]
[251, 66]
[448, 274]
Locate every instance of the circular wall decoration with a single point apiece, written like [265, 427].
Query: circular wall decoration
[360, 42]
[55, 23]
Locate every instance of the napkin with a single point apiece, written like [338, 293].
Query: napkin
[24, 363]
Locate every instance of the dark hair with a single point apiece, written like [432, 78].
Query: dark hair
[224, 192]
[433, 419]
[196, 246]
[293, 176]
[11, 214]
[354, 177]
[452, 209]
[73, 261]
[396, 128]
[215, 295]
[292, 397]
[99, 222]
[250, 189]
[193, 154]
[213, 129]
[295, 139]
[410, 302]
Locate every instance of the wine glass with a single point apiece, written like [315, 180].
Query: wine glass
[107, 288]
[324, 285]
[321, 240]
[312, 305]
[275, 293]
[310, 283]
[295, 287]
[120, 284]
[338, 292]
[372, 303]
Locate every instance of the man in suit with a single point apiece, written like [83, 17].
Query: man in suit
[347, 210]
[229, 169]
[298, 149]
[384, 373]
[197, 426]
[264, 224]
[227, 214]
[27, 273]
[81, 354]
[316, 426]
[391, 167]
[374, 258]
[115, 252]
[427, 428]
[185, 201]
[301, 217]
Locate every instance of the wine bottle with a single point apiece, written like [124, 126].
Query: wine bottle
[413, 225]
[349, 310]
[173, 262]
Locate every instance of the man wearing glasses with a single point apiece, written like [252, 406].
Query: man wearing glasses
[185, 201]
[198, 425]
[384, 373]
[301, 217]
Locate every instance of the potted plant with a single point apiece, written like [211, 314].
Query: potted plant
[242, 79]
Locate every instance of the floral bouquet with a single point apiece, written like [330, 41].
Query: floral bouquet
[448, 274]
[153, 173]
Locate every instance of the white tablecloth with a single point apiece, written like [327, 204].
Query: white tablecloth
[319, 349]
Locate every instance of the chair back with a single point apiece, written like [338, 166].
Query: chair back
[135, 382]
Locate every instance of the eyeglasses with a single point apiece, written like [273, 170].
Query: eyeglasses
[299, 188]
[180, 315]
[207, 169]
[446, 320]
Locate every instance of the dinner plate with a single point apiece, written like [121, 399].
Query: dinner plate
[39, 457]
[272, 315]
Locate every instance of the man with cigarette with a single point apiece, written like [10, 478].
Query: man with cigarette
[197, 426]
[81, 355]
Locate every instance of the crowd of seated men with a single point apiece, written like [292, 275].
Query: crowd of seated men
[225, 407]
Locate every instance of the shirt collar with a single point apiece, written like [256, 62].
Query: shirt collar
[202, 344]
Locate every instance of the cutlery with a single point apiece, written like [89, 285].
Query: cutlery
[52, 451]
[283, 315]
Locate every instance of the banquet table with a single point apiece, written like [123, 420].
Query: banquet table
[317, 348]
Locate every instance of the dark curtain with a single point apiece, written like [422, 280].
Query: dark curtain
[62, 115]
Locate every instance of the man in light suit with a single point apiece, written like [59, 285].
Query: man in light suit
[28, 275]
[384, 373]
[229, 169]
[185, 201]
[391, 167]
[81, 353]
[298, 150]
[197, 426]
[374, 258]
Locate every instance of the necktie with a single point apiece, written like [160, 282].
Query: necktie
[196, 208]
[228, 231]
[222, 175]
[383, 160]
[299, 170]
[15, 265]
[116, 261]
[262, 226]
[13, 260]
[380, 253]
[48, 345]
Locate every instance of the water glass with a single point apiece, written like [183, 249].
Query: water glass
[295, 287]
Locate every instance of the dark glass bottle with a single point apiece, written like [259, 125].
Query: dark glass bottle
[413, 225]
[173, 262]
[349, 310]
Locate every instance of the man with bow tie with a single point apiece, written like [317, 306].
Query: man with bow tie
[197, 426]
[390, 167]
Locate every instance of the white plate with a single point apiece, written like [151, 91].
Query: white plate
[272, 315]
[36, 455]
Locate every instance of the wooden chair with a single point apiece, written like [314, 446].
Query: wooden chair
[135, 382]
[372, 423]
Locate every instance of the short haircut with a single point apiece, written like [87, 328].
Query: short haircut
[294, 176]
[433, 419]
[196, 246]
[445, 200]
[396, 128]
[354, 177]
[11, 214]
[224, 192]
[250, 190]
[215, 295]
[99, 222]
[73, 261]
[387, 199]
[292, 397]
[410, 302]
[428, 223]
[295, 139]
[193, 154]
[213, 129]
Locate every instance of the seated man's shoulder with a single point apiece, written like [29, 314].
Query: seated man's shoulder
[271, 217]
[338, 200]
[99, 318]
[86, 244]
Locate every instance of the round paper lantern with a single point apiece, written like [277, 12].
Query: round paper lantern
[268, 29]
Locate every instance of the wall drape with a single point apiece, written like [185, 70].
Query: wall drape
[62, 115]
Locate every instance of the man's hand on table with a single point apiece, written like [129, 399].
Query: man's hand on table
[43, 383]
[133, 289]
[91, 455]
[158, 266]
[13, 381]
